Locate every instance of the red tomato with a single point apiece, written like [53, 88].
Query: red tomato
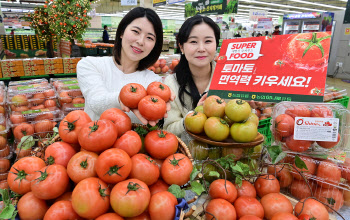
[159, 89]
[109, 216]
[300, 190]
[161, 144]
[297, 145]
[328, 174]
[43, 127]
[309, 172]
[90, 198]
[130, 198]
[274, 203]
[21, 174]
[119, 118]
[250, 217]
[67, 196]
[332, 197]
[22, 130]
[50, 103]
[144, 168]
[59, 153]
[4, 184]
[143, 216]
[49, 176]
[298, 111]
[214, 106]
[152, 107]
[71, 125]
[284, 125]
[312, 208]
[131, 94]
[44, 116]
[246, 205]
[176, 169]
[304, 217]
[321, 111]
[130, 142]
[221, 189]
[82, 165]
[162, 206]
[61, 210]
[266, 184]
[158, 186]
[97, 136]
[247, 189]
[284, 216]
[31, 207]
[328, 144]
[38, 99]
[308, 50]
[113, 165]
[282, 173]
[17, 118]
[345, 173]
[220, 209]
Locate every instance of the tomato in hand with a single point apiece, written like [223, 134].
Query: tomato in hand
[214, 106]
[162, 206]
[71, 125]
[152, 107]
[130, 142]
[90, 198]
[50, 182]
[97, 136]
[31, 207]
[176, 169]
[131, 94]
[59, 153]
[161, 144]
[220, 209]
[61, 210]
[22, 172]
[144, 168]
[82, 166]
[113, 165]
[159, 89]
[119, 118]
[130, 198]
[221, 189]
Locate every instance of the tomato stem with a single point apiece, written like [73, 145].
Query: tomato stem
[93, 128]
[240, 102]
[175, 162]
[24, 132]
[21, 174]
[223, 122]
[71, 125]
[84, 163]
[161, 134]
[113, 170]
[220, 101]
[133, 187]
[50, 160]
[195, 113]
[102, 191]
[161, 87]
[154, 99]
[133, 89]
[43, 175]
[314, 41]
[149, 159]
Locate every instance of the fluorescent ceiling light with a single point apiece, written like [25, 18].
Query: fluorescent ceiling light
[280, 5]
[318, 4]
[264, 8]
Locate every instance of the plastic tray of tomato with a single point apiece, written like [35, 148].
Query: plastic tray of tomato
[57, 81]
[69, 107]
[325, 178]
[284, 126]
[4, 126]
[17, 117]
[72, 95]
[28, 82]
[35, 98]
[332, 93]
[65, 84]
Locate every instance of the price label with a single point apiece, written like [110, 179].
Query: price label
[316, 129]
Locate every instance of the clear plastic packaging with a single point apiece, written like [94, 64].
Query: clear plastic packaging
[58, 83]
[262, 109]
[4, 127]
[69, 107]
[311, 128]
[72, 95]
[332, 93]
[28, 82]
[3, 176]
[17, 117]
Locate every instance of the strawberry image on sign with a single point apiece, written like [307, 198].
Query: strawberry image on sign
[308, 50]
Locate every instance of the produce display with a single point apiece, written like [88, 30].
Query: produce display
[332, 93]
[165, 64]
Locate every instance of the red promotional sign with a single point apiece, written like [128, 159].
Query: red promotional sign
[289, 67]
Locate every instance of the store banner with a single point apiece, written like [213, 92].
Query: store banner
[289, 67]
[174, 1]
[265, 23]
[306, 15]
[128, 2]
[211, 7]
[157, 3]
[254, 15]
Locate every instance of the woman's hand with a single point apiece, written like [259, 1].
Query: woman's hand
[203, 98]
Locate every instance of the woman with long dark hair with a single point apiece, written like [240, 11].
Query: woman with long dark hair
[198, 40]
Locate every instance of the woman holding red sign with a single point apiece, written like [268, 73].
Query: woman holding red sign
[198, 39]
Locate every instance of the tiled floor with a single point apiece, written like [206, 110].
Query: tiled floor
[337, 83]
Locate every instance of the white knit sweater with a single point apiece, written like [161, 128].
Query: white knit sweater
[100, 81]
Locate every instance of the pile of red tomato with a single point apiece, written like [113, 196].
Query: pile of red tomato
[160, 66]
[101, 170]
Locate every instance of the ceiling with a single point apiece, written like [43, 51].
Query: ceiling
[275, 8]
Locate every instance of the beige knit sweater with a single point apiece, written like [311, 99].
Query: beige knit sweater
[174, 122]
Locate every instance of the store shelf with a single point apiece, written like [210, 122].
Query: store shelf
[6, 80]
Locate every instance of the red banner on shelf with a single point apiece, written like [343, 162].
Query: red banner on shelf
[273, 69]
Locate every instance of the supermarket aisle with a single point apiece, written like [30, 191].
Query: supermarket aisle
[339, 84]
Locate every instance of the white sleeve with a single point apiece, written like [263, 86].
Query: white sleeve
[91, 84]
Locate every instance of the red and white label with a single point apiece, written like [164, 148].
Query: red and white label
[316, 129]
[243, 50]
